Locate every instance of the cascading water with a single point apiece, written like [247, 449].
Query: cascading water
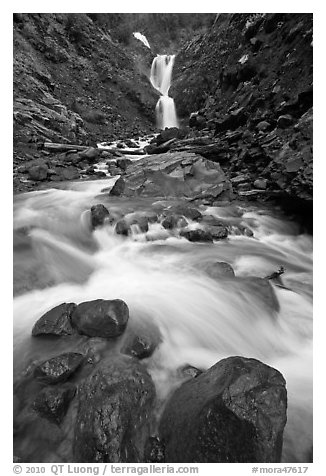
[163, 279]
[161, 75]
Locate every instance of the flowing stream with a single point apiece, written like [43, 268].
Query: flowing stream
[161, 75]
[163, 279]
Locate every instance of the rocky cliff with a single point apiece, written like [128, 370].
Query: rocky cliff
[249, 81]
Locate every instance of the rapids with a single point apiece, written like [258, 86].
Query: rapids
[162, 278]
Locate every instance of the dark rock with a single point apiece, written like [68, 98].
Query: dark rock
[263, 126]
[189, 371]
[70, 173]
[272, 21]
[91, 154]
[197, 121]
[101, 318]
[168, 134]
[233, 412]
[154, 450]
[139, 346]
[56, 321]
[217, 232]
[220, 269]
[188, 212]
[197, 235]
[38, 172]
[123, 163]
[113, 419]
[122, 228]
[99, 214]
[52, 402]
[173, 221]
[60, 368]
[284, 121]
[118, 188]
[126, 225]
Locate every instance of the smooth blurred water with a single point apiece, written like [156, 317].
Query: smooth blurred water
[163, 278]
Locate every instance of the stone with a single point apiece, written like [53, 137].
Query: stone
[261, 184]
[55, 322]
[141, 340]
[189, 371]
[52, 402]
[123, 163]
[91, 154]
[233, 412]
[38, 172]
[174, 221]
[220, 269]
[99, 215]
[118, 188]
[115, 405]
[58, 369]
[197, 235]
[293, 165]
[70, 173]
[284, 121]
[217, 232]
[122, 228]
[263, 126]
[187, 211]
[101, 318]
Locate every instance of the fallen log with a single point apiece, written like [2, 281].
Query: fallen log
[63, 147]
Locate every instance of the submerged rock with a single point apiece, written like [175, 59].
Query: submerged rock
[233, 412]
[56, 321]
[60, 368]
[113, 419]
[173, 221]
[220, 269]
[52, 402]
[101, 318]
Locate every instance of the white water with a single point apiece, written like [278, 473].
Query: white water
[201, 320]
[161, 76]
[141, 38]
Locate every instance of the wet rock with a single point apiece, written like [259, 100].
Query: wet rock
[70, 173]
[154, 450]
[188, 212]
[52, 402]
[38, 172]
[126, 225]
[217, 232]
[168, 134]
[99, 214]
[284, 121]
[197, 121]
[189, 371]
[197, 235]
[173, 221]
[101, 318]
[261, 184]
[114, 412]
[240, 417]
[261, 289]
[118, 188]
[58, 369]
[141, 340]
[122, 228]
[56, 321]
[220, 269]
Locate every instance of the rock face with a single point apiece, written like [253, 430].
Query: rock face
[233, 412]
[101, 318]
[56, 321]
[251, 84]
[58, 369]
[52, 402]
[176, 174]
[115, 403]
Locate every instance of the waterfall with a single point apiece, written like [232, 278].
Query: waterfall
[161, 74]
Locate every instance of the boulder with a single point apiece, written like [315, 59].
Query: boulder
[58, 369]
[174, 221]
[142, 340]
[55, 322]
[101, 318]
[220, 269]
[118, 187]
[91, 154]
[70, 173]
[284, 121]
[168, 134]
[52, 402]
[261, 184]
[263, 126]
[187, 211]
[114, 412]
[99, 214]
[122, 227]
[38, 172]
[197, 235]
[235, 412]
